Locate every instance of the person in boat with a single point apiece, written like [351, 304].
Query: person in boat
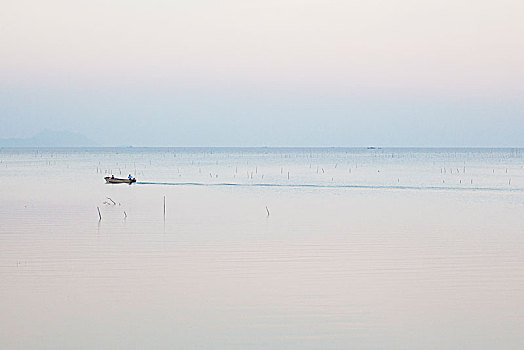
[130, 177]
[112, 177]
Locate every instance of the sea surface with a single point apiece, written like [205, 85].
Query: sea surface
[262, 248]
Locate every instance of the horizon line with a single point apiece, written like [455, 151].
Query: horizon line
[370, 148]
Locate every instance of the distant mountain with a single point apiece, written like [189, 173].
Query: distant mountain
[50, 138]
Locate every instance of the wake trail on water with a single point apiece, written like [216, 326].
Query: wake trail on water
[371, 187]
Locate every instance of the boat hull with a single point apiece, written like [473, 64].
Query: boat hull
[119, 181]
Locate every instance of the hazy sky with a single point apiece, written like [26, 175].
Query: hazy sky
[257, 73]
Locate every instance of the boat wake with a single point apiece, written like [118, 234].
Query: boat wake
[370, 187]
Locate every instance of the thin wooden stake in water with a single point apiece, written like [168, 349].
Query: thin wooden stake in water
[267, 211]
[164, 207]
[99, 215]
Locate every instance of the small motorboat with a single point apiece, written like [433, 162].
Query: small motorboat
[115, 180]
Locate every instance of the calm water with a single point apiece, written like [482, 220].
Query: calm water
[362, 249]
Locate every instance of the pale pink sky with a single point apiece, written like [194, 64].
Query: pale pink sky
[323, 52]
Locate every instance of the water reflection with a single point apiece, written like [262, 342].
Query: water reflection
[337, 268]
